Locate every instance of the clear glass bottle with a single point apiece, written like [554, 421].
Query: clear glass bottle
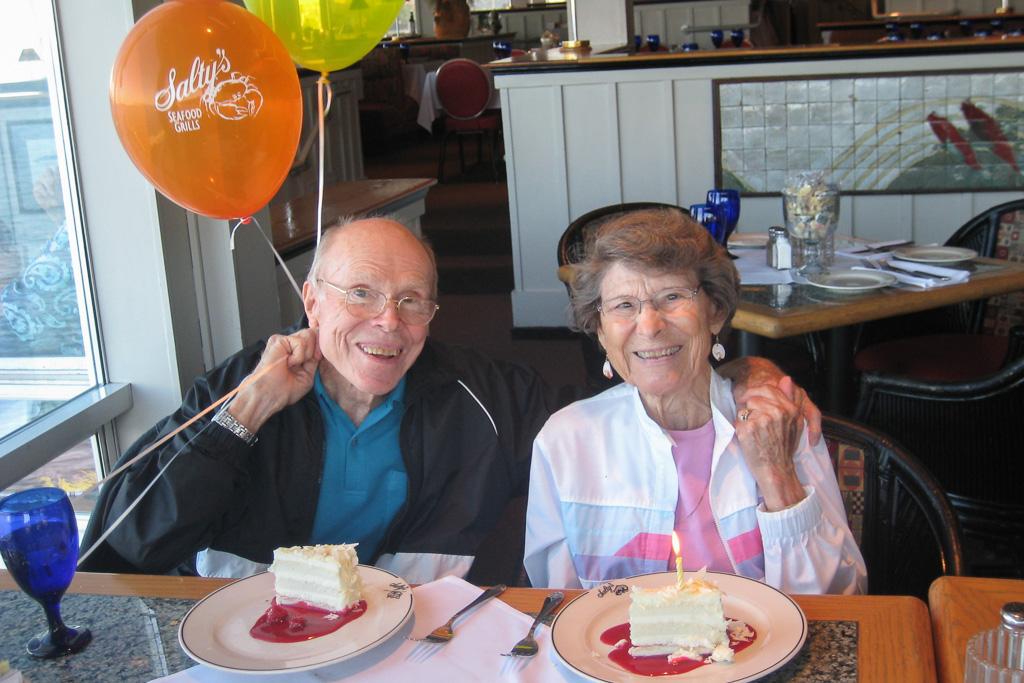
[779, 251]
[997, 656]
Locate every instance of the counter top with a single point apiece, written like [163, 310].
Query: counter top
[609, 57]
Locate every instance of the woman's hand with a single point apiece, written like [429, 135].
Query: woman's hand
[751, 371]
[768, 428]
[288, 367]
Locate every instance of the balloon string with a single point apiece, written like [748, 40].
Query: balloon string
[123, 515]
[323, 86]
[270, 243]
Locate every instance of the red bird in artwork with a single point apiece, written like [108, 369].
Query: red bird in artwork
[947, 132]
[987, 128]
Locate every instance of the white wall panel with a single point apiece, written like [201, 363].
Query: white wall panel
[591, 141]
[646, 133]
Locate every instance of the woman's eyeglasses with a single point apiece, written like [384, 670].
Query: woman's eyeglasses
[668, 301]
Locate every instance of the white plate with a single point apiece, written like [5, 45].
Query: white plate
[779, 622]
[215, 632]
[852, 280]
[935, 254]
[749, 240]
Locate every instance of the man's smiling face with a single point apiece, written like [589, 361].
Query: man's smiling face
[370, 356]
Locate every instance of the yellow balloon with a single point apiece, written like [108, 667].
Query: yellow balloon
[327, 35]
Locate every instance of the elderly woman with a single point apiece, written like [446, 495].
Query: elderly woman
[614, 475]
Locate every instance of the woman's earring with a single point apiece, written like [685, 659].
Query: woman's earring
[717, 350]
[606, 369]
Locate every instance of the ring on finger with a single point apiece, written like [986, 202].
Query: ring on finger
[744, 415]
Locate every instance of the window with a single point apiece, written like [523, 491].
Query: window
[52, 393]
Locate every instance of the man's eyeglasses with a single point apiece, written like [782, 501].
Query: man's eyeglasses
[366, 303]
[668, 301]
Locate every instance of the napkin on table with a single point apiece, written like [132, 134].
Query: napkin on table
[955, 275]
[474, 654]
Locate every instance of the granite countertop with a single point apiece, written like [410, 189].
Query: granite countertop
[136, 640]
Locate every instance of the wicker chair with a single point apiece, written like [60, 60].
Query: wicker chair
[963, 341]
[969, 434]
[898, 512]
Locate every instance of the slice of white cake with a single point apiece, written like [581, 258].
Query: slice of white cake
[324, 576]
[679, 621]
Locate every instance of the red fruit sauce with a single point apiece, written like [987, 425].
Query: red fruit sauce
[295, 622]
[659, 665]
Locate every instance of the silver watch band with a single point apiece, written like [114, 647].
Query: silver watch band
[228, 422]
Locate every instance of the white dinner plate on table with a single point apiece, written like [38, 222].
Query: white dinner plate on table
[749, 240]
[215, 632]
[935, 254]
[779, 622]
[852, 280]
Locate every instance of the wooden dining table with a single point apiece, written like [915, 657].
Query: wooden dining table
[776, 311]
[961, 606]
[888, 637]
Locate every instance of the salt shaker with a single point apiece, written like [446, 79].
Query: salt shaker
[779, 252]
[997, 656]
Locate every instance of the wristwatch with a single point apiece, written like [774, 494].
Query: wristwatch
[228, 422]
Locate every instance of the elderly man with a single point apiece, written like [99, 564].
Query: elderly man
[357, 428]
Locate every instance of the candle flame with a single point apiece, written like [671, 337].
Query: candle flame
[675, 543]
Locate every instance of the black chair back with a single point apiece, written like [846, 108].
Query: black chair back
[898, 512]
[969, 434]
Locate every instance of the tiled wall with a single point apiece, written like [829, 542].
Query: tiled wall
[890, 133]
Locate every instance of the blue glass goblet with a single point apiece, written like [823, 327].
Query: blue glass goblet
[736, 36]
[653, 42]
[710, 217]
[39, 545]
[716, 38]
[729, 201]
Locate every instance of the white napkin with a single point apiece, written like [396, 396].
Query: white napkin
[870, 246]
[474, 654]
[754, 269]
[918, 277]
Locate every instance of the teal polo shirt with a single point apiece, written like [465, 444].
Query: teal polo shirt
[364, 480]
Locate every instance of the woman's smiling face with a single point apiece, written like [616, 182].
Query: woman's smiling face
[659, 353]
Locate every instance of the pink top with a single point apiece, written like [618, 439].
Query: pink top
[700, 542]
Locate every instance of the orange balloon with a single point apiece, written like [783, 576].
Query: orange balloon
[206, 102]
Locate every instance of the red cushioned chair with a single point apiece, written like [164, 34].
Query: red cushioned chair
[463, 91]
[960, 342]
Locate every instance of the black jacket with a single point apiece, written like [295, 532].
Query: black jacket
[466, 439]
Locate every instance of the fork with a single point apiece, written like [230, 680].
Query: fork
[442, 634]
[527, 647]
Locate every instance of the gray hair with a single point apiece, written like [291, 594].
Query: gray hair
[331, 232]
[652, 241]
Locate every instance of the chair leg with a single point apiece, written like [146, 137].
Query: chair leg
[440, 164]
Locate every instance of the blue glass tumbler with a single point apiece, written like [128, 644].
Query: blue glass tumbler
[736, 36]
[39, 545]
[711, 218]
[729, 202]
[653, 42]
[716, 38]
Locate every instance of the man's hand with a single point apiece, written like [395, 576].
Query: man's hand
[751, 371]
[288, 368]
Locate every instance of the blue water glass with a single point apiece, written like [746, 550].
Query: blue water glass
[916, 30]
[936, 35]
[736, 36]
[653, 42]
[502, 50]
[638, 41]
[966, 27]
[690, 47]
[711, 218]
[729, 203]
[39, 546]
[716, 38]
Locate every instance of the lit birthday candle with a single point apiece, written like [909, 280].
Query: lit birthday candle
[679, 560]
